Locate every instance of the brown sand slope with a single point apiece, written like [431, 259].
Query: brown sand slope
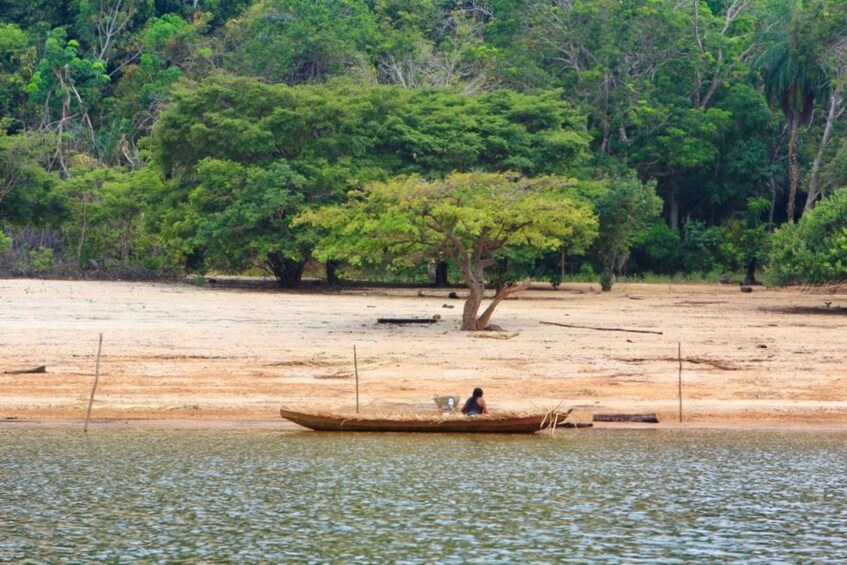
[182, 352]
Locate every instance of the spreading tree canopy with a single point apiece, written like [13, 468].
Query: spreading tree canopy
[468, 217]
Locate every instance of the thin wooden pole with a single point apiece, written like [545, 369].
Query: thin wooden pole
[356, 371]
[94, 388]
[679, 357]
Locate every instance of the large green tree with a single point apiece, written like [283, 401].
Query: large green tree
[470, 217]
[336, 137]
[240, 217]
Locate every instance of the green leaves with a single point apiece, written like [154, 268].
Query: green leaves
[813, 251]
[239, 215]
[626, 209]
[469, 217]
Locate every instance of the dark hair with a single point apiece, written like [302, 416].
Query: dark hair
[477, 392]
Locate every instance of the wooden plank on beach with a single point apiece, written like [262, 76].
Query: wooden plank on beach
[640, 418]
[39, 369]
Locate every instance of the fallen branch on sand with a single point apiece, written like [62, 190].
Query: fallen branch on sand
[694, 360]
[39, 369]
[601, 329]
[406, 320]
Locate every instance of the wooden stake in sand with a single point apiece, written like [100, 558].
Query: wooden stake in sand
[679, 358]
[356, 371]
[94, 388]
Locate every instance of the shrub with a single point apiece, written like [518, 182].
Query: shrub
[812, 251]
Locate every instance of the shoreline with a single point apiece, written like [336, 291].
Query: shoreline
[284, 426]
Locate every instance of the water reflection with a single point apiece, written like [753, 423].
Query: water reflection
[128, 495]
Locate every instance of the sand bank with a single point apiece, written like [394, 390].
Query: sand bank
[180, 353]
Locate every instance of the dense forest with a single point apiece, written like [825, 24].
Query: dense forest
[475, 140]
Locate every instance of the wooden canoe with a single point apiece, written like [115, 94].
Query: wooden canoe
[436, 423]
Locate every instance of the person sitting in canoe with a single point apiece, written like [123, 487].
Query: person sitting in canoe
[475, 404]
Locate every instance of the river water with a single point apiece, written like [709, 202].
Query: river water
[129, 495]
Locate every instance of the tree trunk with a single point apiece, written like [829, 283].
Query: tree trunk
[835, 111]
[472, 304]
[562, 259]
[502, 293]
[607, 278]
[441, 275]
[331, 272]
[793, 169]
[750, 277]
[673, 208]
[82, 232]
[772, 211]
[288, 272]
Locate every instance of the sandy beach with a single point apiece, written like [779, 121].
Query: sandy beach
[177, 354]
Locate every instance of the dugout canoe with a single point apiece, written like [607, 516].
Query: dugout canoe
[503, 423]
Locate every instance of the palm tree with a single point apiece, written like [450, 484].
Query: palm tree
[792, 78]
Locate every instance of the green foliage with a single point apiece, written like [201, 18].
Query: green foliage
[471, 218]
[36, 13]
[745, 238]
[626, 208]
[107, 228]
[835, 170]
[370, 133]
[16, 55]
[40, 260]
[5, 243]
[700, 247]
[813, 251]
[64, 74]
[240, 215]
[299, 41]
[658, 249]
[26, 189]
[90, 90]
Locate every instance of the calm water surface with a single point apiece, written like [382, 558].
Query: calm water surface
[142, 495]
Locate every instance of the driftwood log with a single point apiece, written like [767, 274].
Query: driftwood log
[575, 425]
[406, 320]
[641, 418]
[39, 369]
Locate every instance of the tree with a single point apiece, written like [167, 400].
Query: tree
[793, 77]
[337, 137]
[299, 41]
[626, 209]
[745, 239]
[16, 54]
[241, 217]
[834, 57]
[67, 85]
[25, 186]
[813, 251]
[470, 217]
